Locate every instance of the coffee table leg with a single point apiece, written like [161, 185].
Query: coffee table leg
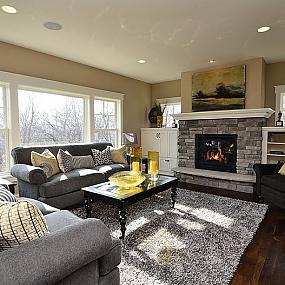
[88, 207]
[122, 220]
[173, 196]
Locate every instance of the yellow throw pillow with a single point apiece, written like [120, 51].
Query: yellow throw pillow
[119, 155]
[47, 161]
[20, 222]
[282, 170]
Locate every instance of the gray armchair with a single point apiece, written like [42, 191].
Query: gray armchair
[75, 252]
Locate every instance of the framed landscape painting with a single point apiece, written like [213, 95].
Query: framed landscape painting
[220, 89]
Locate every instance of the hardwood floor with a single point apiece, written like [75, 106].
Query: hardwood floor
[263, 262]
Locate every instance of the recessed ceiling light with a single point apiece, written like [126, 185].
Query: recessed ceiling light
[142, 61]
[263, 29]
[52, 26]
[212, 60]
[9, 9]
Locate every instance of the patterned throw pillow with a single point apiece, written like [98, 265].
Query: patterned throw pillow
[282, 170]
[119, 155]
[83, 161]
[6, 195]
[65, 161]
[102, 157]
[20, 222]
[47, 161]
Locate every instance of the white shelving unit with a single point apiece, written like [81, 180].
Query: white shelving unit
[273, 140]
[163, 140]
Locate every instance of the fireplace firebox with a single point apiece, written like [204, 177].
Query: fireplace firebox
[216, 152]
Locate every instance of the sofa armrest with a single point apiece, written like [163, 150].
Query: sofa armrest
[264, 169]
[28, 173]
[55, 256]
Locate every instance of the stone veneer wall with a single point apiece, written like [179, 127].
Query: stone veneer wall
[248, 130]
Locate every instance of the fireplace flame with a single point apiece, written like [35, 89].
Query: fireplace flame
[218, 155]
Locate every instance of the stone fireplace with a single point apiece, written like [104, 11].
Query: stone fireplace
[219, 148]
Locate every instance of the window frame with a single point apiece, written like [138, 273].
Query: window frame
[171, 101]
[118, 129]
[14, 82]
[280, 96]
[5, 128]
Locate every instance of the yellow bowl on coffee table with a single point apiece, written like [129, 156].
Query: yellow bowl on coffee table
[127, 179]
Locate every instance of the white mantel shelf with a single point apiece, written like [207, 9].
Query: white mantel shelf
[226, 114]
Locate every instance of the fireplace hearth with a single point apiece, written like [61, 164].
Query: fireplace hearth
[216, 152]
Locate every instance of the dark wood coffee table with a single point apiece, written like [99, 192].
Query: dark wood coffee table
[122, 198]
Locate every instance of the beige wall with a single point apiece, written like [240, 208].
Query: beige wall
[137, 101]
[275, 75]
[165, 89]
[255, 85]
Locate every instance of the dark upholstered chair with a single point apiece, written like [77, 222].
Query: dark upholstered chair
[270, 186]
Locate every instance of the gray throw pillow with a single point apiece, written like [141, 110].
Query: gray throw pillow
[83, 161]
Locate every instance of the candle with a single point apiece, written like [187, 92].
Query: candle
[136, 167]
[153, 167]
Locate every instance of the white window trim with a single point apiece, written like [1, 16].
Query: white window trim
[280, 89]
[170, 100]
[13, 82]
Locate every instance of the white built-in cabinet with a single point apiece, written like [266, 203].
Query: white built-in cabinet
[273, 144]
[163, 140]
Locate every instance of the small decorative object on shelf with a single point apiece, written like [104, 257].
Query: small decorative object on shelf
[136, 159]
[174, 124]
[155, 116]
[279, 122]
[153, 165]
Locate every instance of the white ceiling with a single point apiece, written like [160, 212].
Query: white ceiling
[172, 35]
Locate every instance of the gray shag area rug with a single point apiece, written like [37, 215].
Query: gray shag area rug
[200, 241]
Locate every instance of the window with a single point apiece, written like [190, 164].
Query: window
[36, 111]
[47, 118]
[171, 106]
[280, 101]
[168, 111]
[106, 123]
[282, 105]
[4, 149]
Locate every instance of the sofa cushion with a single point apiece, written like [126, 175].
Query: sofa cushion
[46, 160]
[58, 220]
[275, 181]
[112, 259]
[110, 169]
[44, 208]
[20, 222]
[63, 183]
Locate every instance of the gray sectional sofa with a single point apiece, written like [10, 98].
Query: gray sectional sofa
[62, 190]
[75, 251]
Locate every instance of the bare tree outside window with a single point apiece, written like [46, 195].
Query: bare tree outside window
[50, 118]
[105, 121]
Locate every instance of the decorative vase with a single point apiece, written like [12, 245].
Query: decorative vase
[136, 159]
[153, 165]
[159, 120]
